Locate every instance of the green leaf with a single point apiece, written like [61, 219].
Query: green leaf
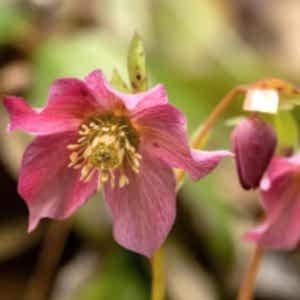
[72, 56]
[119, 279]
[117, 82]
[204, 202]
[14, 24]
[136, 65]
[288, 103]
[287, 130]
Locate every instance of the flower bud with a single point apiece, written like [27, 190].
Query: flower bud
[254, 142]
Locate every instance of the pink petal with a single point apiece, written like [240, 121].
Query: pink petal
[206, 161]
[48, 186]
[277, 179]
[281, 230]
[101, 89]
[109, 97]
[145, 209]
[69, 102]
[140, 101]
[280, 195]
[165, 136]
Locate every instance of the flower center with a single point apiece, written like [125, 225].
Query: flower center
[106, 143]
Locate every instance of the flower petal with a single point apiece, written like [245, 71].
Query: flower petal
[281, 230]
[280, 196]
[109, 97]
[278, 178]
[49, 187]
[140, 101]
[206, 161]
[144, 210]
[101, 89]
[164, 134]
[69, 102]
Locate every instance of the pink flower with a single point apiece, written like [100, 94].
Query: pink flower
[91, 135]
[254, 142]
[280, 192]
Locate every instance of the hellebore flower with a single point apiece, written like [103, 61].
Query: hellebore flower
[91, 135]
[280, 194]
[254, 143]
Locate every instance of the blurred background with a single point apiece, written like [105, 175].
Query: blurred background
[199, 49]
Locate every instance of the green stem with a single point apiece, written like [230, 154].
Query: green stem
[248, 283]
[39, 283]
[158, 276]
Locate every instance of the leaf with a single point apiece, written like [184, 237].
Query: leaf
[287, 130]
[117, 82]
[14, 24]
[204, 202]
[288, 103]
[186, 278]
[72, 56]
[136, 65]
[119, 279]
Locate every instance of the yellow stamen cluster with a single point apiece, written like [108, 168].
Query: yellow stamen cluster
[106, 143]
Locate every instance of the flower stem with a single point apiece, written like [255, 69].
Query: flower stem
[158, 278]
[52, 249]
[247, 286]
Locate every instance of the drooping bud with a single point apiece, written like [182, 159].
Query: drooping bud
[254, 142]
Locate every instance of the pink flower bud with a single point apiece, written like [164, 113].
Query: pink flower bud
[253, 141]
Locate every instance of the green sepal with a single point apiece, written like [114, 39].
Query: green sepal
[287, 130]
[286, 104]
[118, 82]
[136, 65]
[233, 121]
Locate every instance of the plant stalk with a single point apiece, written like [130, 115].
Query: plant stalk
[247, 286]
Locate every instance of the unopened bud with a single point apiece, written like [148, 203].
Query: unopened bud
[254, 142]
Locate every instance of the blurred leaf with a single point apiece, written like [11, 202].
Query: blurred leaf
[185, 277]
[93, 222]
[74, 56]
[193, 43]
[14, 239]
[287, 130]
[137, 65]
[212, 219]
[119, 280]
[118, 83]
[288, 103]
[13, 23]
[195, 96]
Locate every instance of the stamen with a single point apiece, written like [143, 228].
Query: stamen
[123, 180]
[105, 144]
